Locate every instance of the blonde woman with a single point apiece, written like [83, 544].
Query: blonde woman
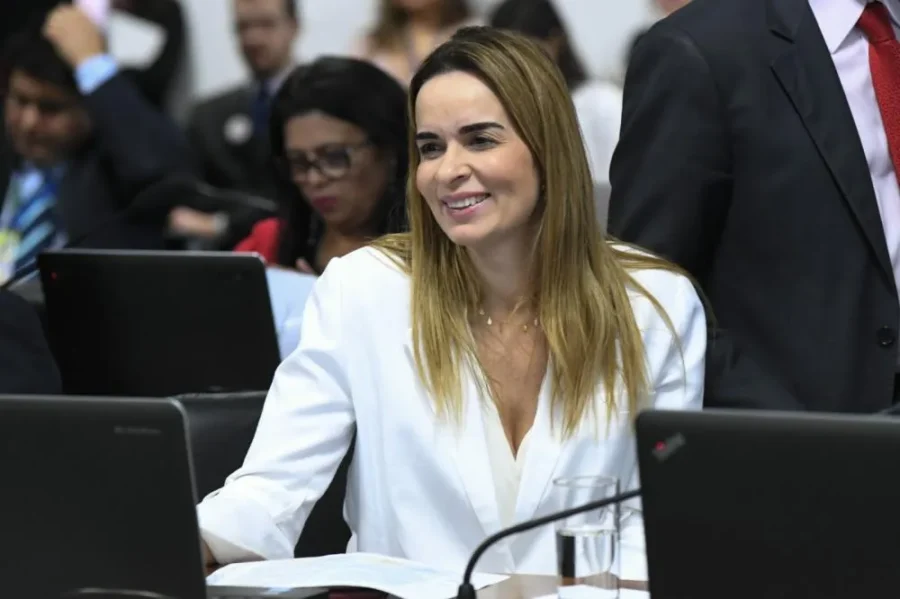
[408, 30]
[500, 344]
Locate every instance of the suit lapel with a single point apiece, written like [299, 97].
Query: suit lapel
[466, 445]
[544, 448]
[804, 68]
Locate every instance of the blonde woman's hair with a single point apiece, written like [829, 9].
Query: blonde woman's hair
[392, 19]
[582, 283]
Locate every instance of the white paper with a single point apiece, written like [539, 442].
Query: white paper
[398, 577]
[133, 41]
[288, 292]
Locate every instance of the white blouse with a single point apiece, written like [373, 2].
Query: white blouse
[505, 467]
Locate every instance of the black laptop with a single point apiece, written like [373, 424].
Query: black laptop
[98, 501]
[776, 505]
[156, 324]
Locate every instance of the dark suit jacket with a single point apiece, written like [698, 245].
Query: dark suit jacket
[739, 159]
[232, 157]
[26, 364]
[132, 147]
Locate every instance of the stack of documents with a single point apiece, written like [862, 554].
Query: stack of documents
[399, 578]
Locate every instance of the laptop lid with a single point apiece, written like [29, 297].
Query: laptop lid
[155, 324]
[97, 494]
[755, 504]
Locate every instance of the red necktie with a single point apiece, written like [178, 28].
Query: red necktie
[884, 62]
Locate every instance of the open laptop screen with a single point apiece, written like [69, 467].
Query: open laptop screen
[97, 493]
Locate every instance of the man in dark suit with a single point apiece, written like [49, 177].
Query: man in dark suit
[26, 364]
[755, 153]
[81, 144]
[229, 132]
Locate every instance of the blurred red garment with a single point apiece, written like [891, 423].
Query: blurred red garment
[263, 239]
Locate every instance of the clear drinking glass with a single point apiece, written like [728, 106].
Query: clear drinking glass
[587, 545]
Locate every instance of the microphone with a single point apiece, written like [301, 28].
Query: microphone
[150, 199]
[467, 591]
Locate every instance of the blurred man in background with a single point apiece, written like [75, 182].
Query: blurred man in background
[229, 132]
[81, 144]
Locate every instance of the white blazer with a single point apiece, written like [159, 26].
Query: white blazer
[419, 488]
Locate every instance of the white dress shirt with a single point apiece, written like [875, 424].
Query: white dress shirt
[849, 49]
[419, 487]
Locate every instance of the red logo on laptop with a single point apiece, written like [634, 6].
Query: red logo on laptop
[663, 450]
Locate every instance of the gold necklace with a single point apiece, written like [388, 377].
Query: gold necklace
[489, 321]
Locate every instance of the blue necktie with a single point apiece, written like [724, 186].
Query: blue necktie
[261, 106]
[36, 223]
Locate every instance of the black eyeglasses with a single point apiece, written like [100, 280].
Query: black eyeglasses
[332, 162]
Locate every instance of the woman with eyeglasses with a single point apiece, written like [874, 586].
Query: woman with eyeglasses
[338, 134]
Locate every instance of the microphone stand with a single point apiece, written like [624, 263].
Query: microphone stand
[467, 591]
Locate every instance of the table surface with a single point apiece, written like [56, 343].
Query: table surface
[532, 587]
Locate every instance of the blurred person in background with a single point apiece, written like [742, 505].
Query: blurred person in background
[598, 104]
[408, 30]
[229, 132]
[81, 142]
[338, 132]
[154, 80]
